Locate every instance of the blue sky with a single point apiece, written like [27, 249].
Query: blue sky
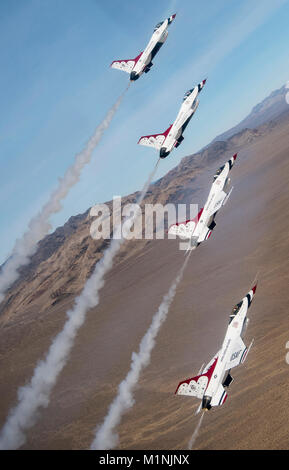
[56, 86]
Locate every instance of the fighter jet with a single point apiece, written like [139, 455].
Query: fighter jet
[143, 62]
[200, 228]
[210, 385]
[173, 136]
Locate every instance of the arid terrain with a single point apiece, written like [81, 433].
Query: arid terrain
[251, 237]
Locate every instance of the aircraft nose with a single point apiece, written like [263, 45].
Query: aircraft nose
[133, 76]
[163, 152]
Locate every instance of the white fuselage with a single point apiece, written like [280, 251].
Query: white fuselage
[214, 202]
[225, 354]
[159, 36]
[210, 384]
[186, 111]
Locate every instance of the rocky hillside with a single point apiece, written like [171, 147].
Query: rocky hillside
[269, 109]
[66, 257]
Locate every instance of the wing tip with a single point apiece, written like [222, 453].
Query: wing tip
[176, 392]
[142, 137]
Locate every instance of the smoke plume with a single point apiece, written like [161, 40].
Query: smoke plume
[106, 437]
[196, 432]
[36, 394]
[39, 226]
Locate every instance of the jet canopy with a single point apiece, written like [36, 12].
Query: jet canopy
[158, 25]
[235, 311]
[187, 94]
[219, 171]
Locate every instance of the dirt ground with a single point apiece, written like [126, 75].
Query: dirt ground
[251, 237]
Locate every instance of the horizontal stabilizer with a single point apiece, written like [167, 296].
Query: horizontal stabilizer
[219, 397]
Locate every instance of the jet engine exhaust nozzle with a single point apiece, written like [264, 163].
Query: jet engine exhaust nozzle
[133, 76]
[206, 403]
[163, 152]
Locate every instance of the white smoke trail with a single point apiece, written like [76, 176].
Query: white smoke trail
[105, 437]
[195, 433]
[39, 226]
[37, 393]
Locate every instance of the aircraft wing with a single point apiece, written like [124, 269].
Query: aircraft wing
[125, 65]
[185, 229]
[196, 386]
[238, 354]
[228, 195]
[218, 203]
[154, 140]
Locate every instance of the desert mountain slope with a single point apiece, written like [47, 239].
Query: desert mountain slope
[66, 257]
[251, 236]
[269, 109]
